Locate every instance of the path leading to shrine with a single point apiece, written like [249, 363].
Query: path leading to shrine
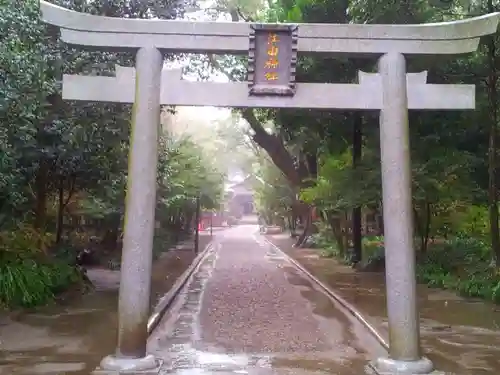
[247, 310]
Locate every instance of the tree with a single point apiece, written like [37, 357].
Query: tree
[64, 164]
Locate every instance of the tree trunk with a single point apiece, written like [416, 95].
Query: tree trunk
[293, 223]
[60, 210]
[275, 148]
[307, 230]
[357, 236]
[379, 217]
[346, 230]
[110, 240]
[423, 225]
[427, 228]
[41, 195]
[336, 226]
[492, 147]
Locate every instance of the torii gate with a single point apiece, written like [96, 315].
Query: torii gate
[272, 50]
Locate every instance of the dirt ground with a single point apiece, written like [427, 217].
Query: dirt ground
[171, 265]
[166, 270]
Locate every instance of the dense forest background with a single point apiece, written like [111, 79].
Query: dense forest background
[63, 164]
[326, 164]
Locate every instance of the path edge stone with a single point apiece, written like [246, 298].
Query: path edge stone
[168, 298]
[335, 297]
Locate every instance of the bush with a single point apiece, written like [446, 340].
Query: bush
[373, 247]
[461, 264]
[28, 275]
[28, 283]
[325, 243]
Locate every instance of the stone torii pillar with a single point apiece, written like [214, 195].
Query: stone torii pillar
[392, 91]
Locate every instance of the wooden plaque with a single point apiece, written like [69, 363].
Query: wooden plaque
[272, 59]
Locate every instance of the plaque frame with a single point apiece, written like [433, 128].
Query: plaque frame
[258, 89]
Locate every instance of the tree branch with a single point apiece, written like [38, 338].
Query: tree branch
[274, 147]
[243, 17]
[271, 143]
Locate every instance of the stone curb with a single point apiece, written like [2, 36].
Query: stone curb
[166, 301]
[336, 297]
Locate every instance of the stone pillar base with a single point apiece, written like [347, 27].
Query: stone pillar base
[112, 365]
[387, 366]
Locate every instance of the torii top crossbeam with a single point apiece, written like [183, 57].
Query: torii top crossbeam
[232, 37]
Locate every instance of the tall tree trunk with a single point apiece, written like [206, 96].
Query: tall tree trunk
[423, 225]
[492, 148]
[306, 217]
[379, 217]
[336, 226]
[56, 104]
[346, 230]
[357, 139]
[293, 222]
[427, 228]
[41, 195]
[60, 210]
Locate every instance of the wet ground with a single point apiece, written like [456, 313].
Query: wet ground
[248, 311]
[460, 335]
[72, 338]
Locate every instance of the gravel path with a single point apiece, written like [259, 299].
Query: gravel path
[249, 305]
[247, 310]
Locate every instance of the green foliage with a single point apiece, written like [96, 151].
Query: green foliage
[471, 220]
[273, 195]
[63, 165]
[184, 174]
[29, 282]
[339, 187]
[448, 151]
[28, 276]
[326, 242]
[24, 86]
[462, 264]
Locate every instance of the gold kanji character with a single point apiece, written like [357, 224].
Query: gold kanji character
[271, 76]
[273, 38]
[272, 51]
[271, 63]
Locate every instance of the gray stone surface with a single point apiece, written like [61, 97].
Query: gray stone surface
[185, 36]
[137, 252]
[175, 91]
[112, 365]
[386, 366]
[404, 340]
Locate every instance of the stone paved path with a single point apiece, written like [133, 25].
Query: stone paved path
[248, 311]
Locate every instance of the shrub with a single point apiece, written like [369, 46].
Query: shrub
[29, 276]
[461, 264]
[28, 283]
